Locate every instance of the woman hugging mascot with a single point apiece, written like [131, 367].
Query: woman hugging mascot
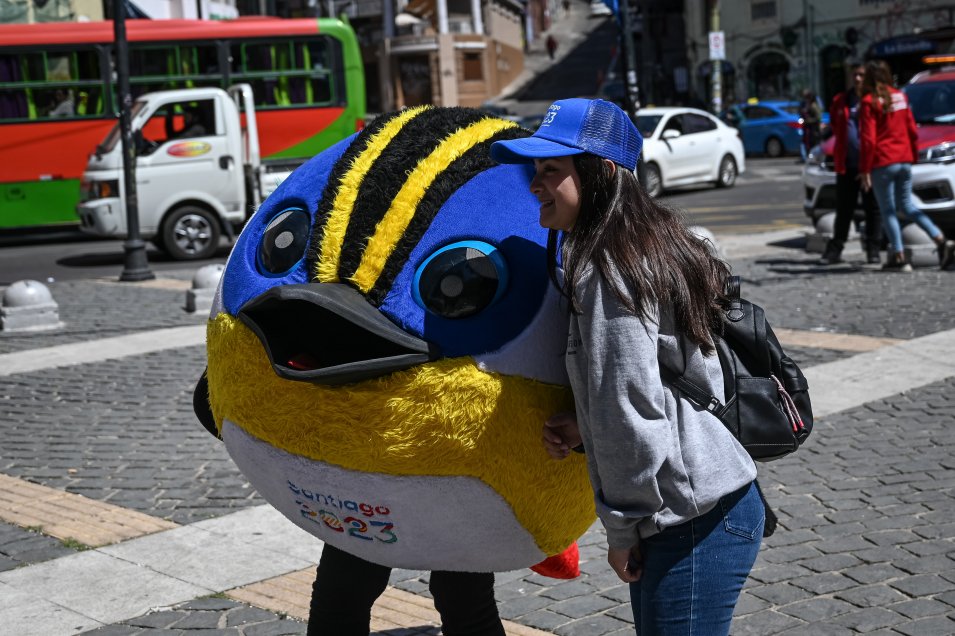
[382, 351]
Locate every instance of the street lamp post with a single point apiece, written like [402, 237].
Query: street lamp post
[631, 94]
[135, 263]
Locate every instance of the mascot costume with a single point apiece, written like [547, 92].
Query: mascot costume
[385, 346]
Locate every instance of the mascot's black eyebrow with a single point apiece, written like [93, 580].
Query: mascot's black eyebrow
[414, 141]
[474, 161]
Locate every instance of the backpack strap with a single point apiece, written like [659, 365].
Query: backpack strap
[697, 394]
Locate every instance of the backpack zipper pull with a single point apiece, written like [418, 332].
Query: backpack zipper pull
[789, 406]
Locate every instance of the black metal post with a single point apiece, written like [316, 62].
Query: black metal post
[135, 263]
[631, 93]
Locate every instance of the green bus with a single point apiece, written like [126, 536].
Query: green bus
[57, 94]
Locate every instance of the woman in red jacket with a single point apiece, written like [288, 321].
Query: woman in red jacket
[888, 148]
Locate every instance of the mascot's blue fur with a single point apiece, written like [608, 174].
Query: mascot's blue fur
[385, 346]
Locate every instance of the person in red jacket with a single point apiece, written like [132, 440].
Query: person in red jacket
[844, 119]
[889, 147]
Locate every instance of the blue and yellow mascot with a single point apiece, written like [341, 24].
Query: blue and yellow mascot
[385, 345]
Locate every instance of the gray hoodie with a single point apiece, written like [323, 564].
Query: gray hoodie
[656, 459]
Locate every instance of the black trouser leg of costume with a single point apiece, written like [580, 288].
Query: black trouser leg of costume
[466, 603]
[346, 587]
[847, 195]
[344, 590]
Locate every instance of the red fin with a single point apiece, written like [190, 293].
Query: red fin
[565, 565]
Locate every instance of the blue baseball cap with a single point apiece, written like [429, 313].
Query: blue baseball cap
[575, 126]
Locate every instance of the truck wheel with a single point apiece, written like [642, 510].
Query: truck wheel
[190, 233]
[774, 147]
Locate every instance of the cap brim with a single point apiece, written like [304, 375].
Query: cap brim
[526, 149]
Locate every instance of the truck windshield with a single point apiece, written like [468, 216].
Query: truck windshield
[113, 137]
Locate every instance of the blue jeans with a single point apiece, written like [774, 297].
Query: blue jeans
[693, 572]
[892, 186]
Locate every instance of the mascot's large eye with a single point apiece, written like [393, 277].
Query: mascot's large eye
[460, 279]
[284, 240]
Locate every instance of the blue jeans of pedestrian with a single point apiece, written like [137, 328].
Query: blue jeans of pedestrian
[693, 573]
[892, 186]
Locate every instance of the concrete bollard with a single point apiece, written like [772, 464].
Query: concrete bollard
[920, 249]
[709, 238]
[825, 228]
[28, 305]
[204, 284]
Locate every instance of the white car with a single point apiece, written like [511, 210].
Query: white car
[687, 146]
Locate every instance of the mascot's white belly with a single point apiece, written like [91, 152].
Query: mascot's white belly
[414, 522]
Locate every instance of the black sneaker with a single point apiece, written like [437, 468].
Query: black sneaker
[946, 254]
[896, 265]
[872, 256]
[831, 256]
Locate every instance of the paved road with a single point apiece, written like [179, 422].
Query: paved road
[72, 256]
[867, 541]
[867, 536]
[766, 197]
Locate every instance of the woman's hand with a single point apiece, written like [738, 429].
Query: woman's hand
[865, 181]
[560, 435]
[626, 562]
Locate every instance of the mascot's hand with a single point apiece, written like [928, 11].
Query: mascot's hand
[561, 434]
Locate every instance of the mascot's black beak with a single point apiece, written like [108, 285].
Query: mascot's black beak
[328, 333]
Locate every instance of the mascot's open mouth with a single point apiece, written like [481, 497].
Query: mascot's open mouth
[328, 333]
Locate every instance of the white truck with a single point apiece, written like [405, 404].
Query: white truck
[199, 174]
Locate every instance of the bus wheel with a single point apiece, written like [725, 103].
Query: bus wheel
[190, 233]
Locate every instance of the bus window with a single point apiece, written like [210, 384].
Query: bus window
[201, 61]
[51, 85]
[155, 68]
[291, 73]
[13, 101]
[149, 62]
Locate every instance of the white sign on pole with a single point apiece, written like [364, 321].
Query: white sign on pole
[717, 45]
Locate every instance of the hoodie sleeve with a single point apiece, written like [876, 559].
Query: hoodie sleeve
[626, 431]
[866, 134]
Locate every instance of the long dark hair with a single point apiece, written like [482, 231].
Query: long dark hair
[620, 228]
[878, 80]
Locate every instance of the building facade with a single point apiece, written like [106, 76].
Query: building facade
[776, 48]
[442, 52]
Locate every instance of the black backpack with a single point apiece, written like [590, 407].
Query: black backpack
[766, 403]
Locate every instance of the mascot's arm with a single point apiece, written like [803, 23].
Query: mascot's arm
[200, 404]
